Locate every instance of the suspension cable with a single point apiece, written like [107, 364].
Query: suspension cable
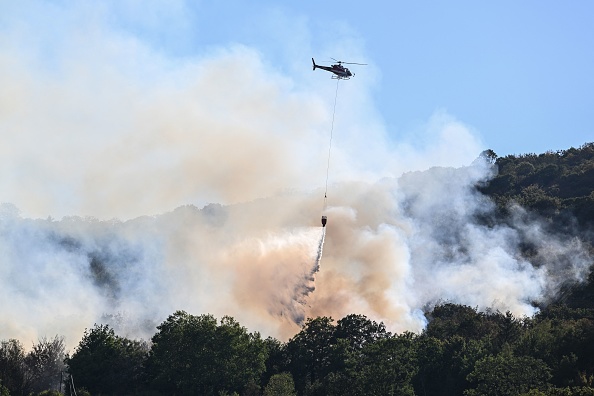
[330, 146]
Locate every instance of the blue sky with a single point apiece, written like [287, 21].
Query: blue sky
[126, 90]
[519, 73]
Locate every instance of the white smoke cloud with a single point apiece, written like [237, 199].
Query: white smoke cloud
[393, 248]
[96, 122]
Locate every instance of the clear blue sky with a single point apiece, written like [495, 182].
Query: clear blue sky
[520, 73]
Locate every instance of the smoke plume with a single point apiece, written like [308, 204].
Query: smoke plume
[392, 248]
[137, 184]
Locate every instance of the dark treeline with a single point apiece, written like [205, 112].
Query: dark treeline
[462, 351]
[558, 185]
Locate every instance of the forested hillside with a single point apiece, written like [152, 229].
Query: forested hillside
[557, 186]
[462, 351]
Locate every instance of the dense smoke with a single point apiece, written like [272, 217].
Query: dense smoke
[96, 125]
[392, 248]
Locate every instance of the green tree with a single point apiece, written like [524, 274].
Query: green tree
[449, 320]
[384, 367]
[3, 390]
[352, 335]
[310, 352]
[432, 371]
[562, 337]
[280, 385]
[49, 393]
[192, 355]
[179, 360]
[244, 355]
[388, 366]
[45, 363]
[444, 364]
[507, 375]
[508, 329]
[13, 371]
[524, 169]
[277, 361]
[534, 197]
[575, 391]
[107, 364]
[358, 330]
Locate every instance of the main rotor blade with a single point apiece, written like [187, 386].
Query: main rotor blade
[348, 63]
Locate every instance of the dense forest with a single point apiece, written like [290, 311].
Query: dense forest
[558, 185]
[462, 351]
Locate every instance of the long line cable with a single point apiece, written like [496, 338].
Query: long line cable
[330, 146]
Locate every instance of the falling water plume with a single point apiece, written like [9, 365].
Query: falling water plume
[320, 250]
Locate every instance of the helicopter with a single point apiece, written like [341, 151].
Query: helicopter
[340, 72]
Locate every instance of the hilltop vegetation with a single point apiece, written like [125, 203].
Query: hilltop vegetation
[462, 351]
[558, 185]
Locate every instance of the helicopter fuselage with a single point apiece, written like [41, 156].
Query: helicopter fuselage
[338, 70]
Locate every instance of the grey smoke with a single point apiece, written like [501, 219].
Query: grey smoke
[391, 249]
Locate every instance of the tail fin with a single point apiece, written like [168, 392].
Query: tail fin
[314, 63]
